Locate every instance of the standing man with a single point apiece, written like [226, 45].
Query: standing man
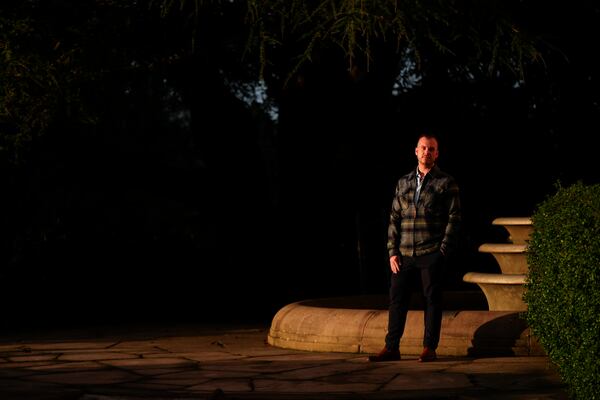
[423, 231]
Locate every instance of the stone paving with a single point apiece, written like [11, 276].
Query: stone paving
[236, 362]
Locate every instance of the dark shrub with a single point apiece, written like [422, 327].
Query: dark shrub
[563, 286]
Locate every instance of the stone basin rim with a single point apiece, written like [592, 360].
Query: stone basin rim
[503, 248]
[512, 221]
[496, 279]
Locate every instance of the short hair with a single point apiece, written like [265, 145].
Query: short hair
[429, 135]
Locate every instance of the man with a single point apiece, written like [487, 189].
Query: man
[422, 232]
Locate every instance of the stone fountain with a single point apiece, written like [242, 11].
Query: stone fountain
[504, 290]
[470, 327]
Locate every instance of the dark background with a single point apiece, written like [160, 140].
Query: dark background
[182, 203]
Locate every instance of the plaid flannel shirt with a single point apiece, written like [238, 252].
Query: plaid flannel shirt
[430, 225]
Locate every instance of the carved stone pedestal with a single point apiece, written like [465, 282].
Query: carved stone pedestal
[504, 291]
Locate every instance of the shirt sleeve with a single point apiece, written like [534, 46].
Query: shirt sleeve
[394, 224]
[451, 235]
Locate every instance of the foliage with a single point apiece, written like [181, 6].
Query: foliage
[55, 54]
[98, 148]
[60, 58]
[41, 78]
[486, 34]
[562, 287]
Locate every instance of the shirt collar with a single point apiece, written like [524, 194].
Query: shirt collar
[432, 171]
[419, 175]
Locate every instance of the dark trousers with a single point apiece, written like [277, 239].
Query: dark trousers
[429, 271]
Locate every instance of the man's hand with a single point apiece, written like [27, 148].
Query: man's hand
[395, 264]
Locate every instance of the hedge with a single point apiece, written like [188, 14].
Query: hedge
[562, 291]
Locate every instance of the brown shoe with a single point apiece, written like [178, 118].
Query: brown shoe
[427, 355]
[386, 355]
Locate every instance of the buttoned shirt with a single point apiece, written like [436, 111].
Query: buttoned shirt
[420, 178]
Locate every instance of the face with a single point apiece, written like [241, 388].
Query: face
[427, 152]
